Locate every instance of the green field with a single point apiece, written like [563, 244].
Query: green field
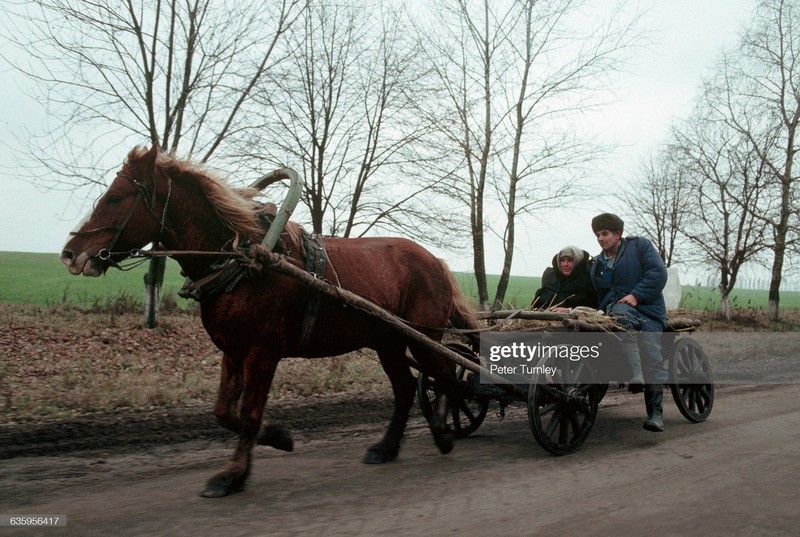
[41, 279]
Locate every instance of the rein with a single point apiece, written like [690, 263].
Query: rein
[139, 257]
[171, 253]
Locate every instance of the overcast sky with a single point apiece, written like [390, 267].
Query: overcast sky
[658, 88]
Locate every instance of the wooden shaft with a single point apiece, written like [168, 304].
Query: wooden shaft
[278, 263]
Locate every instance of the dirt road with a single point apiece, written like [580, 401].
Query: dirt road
[736, 474]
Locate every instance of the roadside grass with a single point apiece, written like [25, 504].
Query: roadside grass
[58, 362]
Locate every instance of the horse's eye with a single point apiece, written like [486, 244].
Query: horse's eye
[113, 200]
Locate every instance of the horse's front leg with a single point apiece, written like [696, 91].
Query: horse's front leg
[257, 373]
[226, 409]
[230, 389]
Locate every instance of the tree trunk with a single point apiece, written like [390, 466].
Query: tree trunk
[773, 306]
[781, 232]
[725, 306]
[152, 283]
[505, 276]
[479, 265]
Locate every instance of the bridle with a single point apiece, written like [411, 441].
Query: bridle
[106, 254]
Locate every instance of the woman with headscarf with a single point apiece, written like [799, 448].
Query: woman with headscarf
[566, 284]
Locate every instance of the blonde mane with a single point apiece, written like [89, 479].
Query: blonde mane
[235, 207]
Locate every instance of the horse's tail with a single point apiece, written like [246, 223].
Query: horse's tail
[462, 316]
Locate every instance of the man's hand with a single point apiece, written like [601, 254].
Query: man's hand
[630, 300]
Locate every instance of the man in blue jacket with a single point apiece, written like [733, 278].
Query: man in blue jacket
[629, 277]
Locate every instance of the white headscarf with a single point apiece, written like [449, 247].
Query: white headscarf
[571, 251]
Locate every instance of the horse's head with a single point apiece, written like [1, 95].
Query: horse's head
[129, 215]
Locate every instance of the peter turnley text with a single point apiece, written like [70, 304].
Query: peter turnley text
[520, 351]
[522, 369]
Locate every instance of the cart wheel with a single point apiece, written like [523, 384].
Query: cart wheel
[562, 407]
[464, 417]
[692, 382]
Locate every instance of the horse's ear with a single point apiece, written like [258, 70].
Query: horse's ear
[150, 157]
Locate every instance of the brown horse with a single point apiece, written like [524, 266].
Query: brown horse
[157, 198]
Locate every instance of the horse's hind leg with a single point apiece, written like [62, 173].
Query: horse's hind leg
[258, 371]
[404, 388]
[447, 389]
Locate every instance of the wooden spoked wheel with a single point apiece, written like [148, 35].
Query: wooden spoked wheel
[562, 406]
[465, 415]
[692, 382]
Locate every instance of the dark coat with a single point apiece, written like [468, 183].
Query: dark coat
[568, 292]
[638, 270]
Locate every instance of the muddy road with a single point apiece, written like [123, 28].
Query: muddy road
[736, 474]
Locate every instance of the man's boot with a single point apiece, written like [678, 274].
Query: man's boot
[654, 403]
[636, 383]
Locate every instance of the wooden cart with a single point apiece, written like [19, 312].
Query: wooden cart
[562, 408]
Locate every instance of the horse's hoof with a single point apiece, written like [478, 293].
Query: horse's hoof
[217, 487]
[379, 456]
[276, 436]
[445, 442]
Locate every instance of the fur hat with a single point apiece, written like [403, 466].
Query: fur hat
[571, 251]
[608, 221]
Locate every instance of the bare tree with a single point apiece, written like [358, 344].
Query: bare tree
[659, 198]
[514, 76]
[179, 75]
[345, 110]
[725, 189]
[757, 91]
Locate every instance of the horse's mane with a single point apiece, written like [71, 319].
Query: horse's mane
[236, 207]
